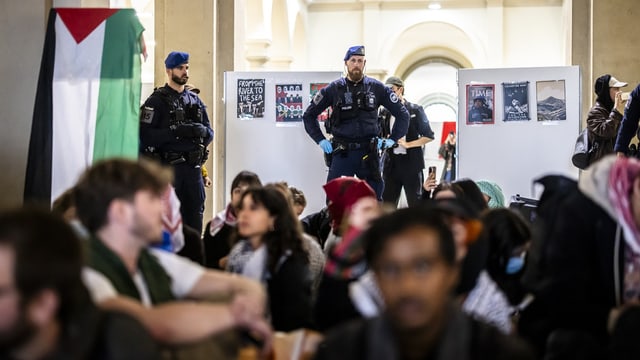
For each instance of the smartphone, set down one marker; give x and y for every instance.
(625, 96)
(432, 172)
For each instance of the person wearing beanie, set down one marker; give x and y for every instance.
(403, 164)
(492, 193)
(175, 130)
(354, 148)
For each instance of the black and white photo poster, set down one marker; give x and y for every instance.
(516, 101)
(551, 100)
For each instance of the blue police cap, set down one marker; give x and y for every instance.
(480, 98)
(354, 50)
(176, 58)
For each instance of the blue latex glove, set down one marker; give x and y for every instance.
(386, 143)
(326, 146)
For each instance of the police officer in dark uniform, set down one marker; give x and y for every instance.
(354, 148)
(629, 124)
(480, 112)
(175, 129)
(403, 164)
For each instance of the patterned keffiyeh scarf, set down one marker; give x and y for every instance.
(623, 174)
(226, 216)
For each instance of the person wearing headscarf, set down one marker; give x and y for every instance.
(604, 117)
(492, 193)
(592, 268)
(352, 205)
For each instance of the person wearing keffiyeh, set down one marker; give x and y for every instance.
(352, 204)
(592, 268)
(217, 233)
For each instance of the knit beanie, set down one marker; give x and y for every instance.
(492, 190)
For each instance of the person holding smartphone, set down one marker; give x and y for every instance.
(605, 116)
(403, 164)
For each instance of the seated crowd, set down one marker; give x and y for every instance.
(105, 275)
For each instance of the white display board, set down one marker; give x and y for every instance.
(513, 153)
(275, 150)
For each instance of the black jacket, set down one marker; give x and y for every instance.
(217, 246)
(462, 339)
(418, 127)
(94, 334)
(290, 295)
(577, 287)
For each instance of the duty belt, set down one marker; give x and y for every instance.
(346, 145)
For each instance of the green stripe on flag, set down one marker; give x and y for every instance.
(117, 124)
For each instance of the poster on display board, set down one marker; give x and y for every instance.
(272, 142)
(551, 100)
(516, 101)
(289, 102)
(480, 103)
(250, 98)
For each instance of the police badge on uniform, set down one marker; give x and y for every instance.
(147, 115)
(393, 97)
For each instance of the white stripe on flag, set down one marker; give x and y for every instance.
(76, 83)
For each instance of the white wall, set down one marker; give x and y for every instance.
(488, 37)
(534, 37)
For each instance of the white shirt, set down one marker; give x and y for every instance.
(184, 273)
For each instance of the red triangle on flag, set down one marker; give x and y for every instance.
(82, 21)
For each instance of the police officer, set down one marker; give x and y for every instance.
(355, 99)
(403, 164)
(480, 112)
(629, 124)
(175, 129)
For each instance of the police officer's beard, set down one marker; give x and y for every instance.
(355, 75)
(179, 80)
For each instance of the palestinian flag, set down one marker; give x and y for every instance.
(88, 97)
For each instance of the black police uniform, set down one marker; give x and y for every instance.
(355, 127)
(629, 124)
(405, 170)
(175, 129)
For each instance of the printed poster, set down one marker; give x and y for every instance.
(250, 98)
(314, 88)
(289, 102)
(551, 100)
(516, 101)
(480, 102)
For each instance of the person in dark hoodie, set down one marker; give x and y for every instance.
(605, 115)
(592, 263)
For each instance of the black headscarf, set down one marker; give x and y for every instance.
(602, 91)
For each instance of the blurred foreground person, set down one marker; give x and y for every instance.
(45, 311)
(413, 257)
(119, 201)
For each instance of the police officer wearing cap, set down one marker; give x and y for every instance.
(480, 112)
(175, 129)
(354, 124)
(403, 164)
